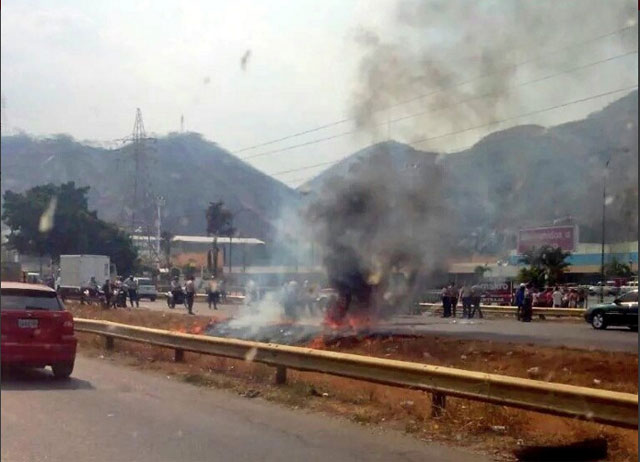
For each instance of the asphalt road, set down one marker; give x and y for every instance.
(568, 333)
(107, 413)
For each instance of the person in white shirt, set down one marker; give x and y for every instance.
(557, 298)
(190, 289)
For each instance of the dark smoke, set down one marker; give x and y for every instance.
(378, 236)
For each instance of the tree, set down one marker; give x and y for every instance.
(479, 271)
(219, 223)
(550, 260)
(166, 240)
(71, 227)
(534, 275)
(616, 268)
(219, 220)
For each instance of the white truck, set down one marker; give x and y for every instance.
(77, 270)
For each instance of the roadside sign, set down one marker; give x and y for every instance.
(565, 237)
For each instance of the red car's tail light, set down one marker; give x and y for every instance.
(67, 324)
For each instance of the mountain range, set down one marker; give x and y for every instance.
(530, 175)
(526, 175)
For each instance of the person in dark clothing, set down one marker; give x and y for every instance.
(106, 289)
(519, 301)
(454, 299)
(475, 301)
(527, 306)
(446, 302)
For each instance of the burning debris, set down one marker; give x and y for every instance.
(378, 238)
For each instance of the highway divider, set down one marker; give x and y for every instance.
(540, 311)
(608, 407)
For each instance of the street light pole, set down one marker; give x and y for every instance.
(604, 208)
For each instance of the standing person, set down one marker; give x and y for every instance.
(190, 289)
(527, 306)
(581, 298)
(222, 291)
(213, 293)
(446, 302)
(557, 297)
(58, 282)
(519, 299)
(573, 299)
(476, 296)
(132, 288)
(106, 288)
(454, 299)
(93, 284)
(249, 292)
(465, 296)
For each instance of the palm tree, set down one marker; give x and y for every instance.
(479, 271)
(219, 223)
(616, 268)
(165, 243)
(551, 260)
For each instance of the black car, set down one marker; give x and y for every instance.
(622, 312)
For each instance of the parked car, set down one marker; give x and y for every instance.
(146, 289)
(623, 311)
(629, 286)
(37, 331)
(609, 288)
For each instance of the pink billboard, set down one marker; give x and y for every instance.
(565, 237)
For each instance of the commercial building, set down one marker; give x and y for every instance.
(585, 260)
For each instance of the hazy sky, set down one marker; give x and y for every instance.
(82, 67)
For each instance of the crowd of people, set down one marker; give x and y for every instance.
(117, 292)
(525, 298)
(299, 299)
(468, 295)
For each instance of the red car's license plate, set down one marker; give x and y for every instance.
(28, 323)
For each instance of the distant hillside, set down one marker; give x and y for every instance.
(402, 157)
(184, 168)
(530, 175)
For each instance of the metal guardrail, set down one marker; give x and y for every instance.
(608, 407)
(564, 312)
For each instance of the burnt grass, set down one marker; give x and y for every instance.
(495, 430)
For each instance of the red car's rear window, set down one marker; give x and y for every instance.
(23, 299)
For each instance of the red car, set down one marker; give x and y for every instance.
(36, 329)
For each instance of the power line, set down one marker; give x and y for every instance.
(322, 164)
(311, 130)
(288, 148)
(499, 93)
(416, 98)
(538, 111)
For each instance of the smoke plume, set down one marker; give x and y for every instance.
(437, 45)
(370, 226)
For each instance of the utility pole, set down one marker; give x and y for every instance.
(604, 208)
(138, 207)
(160, 203)
(230, 252)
